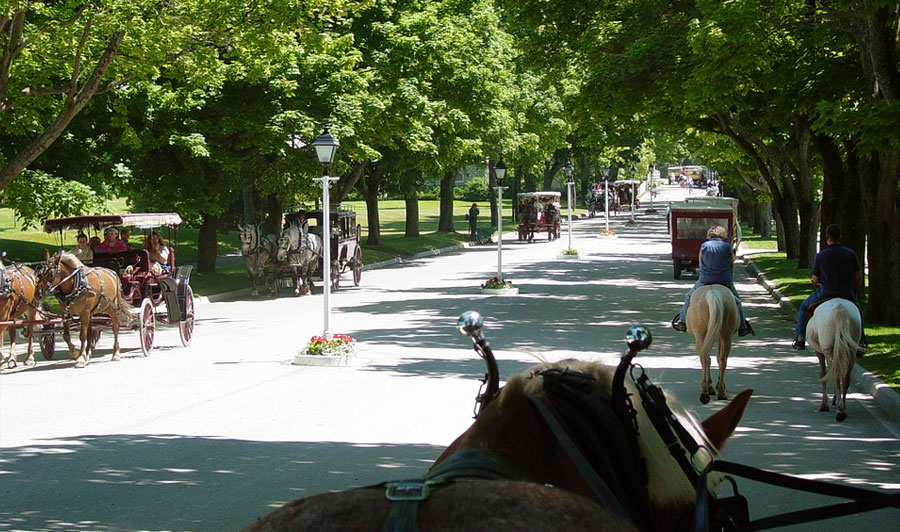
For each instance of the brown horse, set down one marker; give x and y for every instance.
(541, 485)
(83, 292)
(712, 317)
(19, 297)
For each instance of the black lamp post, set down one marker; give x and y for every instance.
(326, 146)
(500, 172)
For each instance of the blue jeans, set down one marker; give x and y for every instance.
(818, 295)
(730, 286)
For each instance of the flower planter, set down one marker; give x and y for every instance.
(500, 291)
(565, 256)
(301, 359)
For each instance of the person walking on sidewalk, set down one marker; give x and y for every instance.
(473, 222)
(835, 273)
(716, 265)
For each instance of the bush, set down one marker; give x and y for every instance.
(430, 192)
(475, 189)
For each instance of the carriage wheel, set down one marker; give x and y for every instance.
(186, 327)
(48, 345)
(357, 266)
(148, 326)
(335, 276)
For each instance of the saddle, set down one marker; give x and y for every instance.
(812, 308)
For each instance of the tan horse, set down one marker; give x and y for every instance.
(23, 298)
(82, 293)
(556, 496)
(833, 333)
(712, 318)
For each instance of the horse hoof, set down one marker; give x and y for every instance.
(722, 397)
(823, 408)
(840, 416)
(11, 364)
(80, 363)
(704, 398)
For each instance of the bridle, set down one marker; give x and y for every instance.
(711, 513)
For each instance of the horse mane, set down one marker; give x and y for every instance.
(70, 260)
(667, 485)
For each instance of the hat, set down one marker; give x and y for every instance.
(112, 230)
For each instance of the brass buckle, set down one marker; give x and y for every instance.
(411, 490)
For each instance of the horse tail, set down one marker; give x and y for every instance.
(123, 309)
(714, 325)
(844, 346)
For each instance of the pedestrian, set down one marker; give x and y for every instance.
(835, 273)
(473, 222)
(716, 264)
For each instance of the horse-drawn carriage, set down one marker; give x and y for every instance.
(299, 251)
(688, 226)
(625, 192)
(597, 199)
(99, 296)
(538, 212)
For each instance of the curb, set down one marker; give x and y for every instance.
(884, 396)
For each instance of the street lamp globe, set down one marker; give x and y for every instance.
(500, 170)
(605, 172)
(326, 145)
(567, 169)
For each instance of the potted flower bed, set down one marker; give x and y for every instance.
(321, 351)
(568, 253)
(494, 286)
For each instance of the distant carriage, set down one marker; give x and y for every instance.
(539, 212)
(346, 252)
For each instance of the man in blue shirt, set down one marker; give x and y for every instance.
(835, 273)
(716, 263)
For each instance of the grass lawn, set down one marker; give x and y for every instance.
(883, 357)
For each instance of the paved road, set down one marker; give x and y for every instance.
(209, 437)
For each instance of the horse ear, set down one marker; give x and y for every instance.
(719, 426)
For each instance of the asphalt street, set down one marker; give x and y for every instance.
(211, 436)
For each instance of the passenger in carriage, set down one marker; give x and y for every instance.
(159, 253)
(124, 235)
(94, 243)
(112, 244)
(84, 253)
(716, 263)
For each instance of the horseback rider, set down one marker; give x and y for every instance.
(716, 263)
(835, 273)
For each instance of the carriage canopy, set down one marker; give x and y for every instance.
(101, 221)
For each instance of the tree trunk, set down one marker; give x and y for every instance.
(274, 214)
(879, 184)
(779, 232)
(807, 202)
(841, 194)
(764, 210)
(530, 182)
(411, 199)
(552, 167)
(207, 244)
(445, 219)
(369, 187)
(514, 197)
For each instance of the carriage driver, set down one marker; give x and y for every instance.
(716, 262)
(835, 273)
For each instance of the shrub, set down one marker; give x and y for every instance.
(475, 189)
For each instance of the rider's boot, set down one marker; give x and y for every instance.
(678, 324)
(799, 342)
(746, 329)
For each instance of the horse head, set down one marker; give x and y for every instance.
(587, 436)
(288, 241)
(249, 236)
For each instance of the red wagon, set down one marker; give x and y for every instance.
(688, 225)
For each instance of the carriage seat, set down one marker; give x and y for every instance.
(139, 259)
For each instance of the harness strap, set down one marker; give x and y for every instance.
(596, 483)
(469, 463)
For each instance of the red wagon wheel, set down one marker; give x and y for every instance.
(186, 327)
(47, 342)
(148, 326)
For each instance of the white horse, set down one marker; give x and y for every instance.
(257, 250)
(302, 250)
(712, 317)
(833, 333)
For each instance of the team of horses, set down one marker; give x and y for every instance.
(296, 247)
(82, 293)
